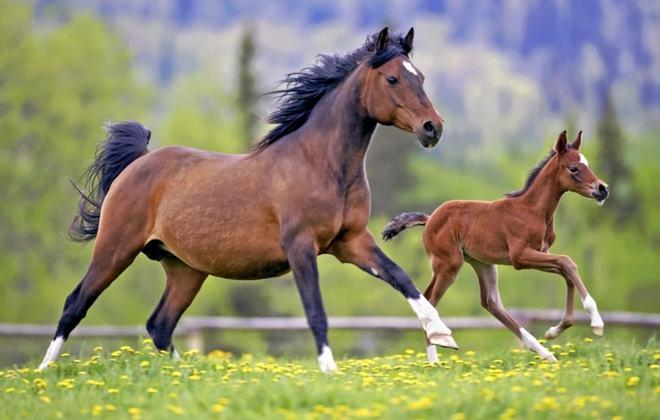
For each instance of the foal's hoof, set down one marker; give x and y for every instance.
(443, 340)
(553, 332)
(598, 330)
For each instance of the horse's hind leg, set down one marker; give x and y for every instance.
(183, 283)
(445, 270)
(112, 254)
(492, 302)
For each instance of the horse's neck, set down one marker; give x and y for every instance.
(544, 193)
(338, 131)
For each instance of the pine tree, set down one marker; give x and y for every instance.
(611, 164)
(247, 90)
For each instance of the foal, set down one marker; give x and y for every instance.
(517, 230)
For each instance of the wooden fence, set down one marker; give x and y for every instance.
(193, 328)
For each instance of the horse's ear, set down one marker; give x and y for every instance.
(578, 141)
(383, 39)
(408, 41)
(561, 143)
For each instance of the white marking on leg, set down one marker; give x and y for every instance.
(590, 307)
(532, 344)
(53, 352)
(374, 272)
(175, 355)
(432, 353)
(584, 160)
(408, 66)
(436, 330)
(553, 332)
(326, 360)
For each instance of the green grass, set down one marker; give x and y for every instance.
(594, 379)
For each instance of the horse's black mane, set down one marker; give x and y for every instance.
(303, 89)
(536, 170)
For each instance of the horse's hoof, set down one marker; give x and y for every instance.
(552, 333)
(598, 330)
(550, 358)
(328, 366)
(443, 340)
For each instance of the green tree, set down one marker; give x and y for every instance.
(247, 89)
(56, 90)
(611, 163)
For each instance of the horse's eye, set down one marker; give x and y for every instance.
(392, 80)
(573, 169)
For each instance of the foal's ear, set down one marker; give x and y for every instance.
(561, 143)
(408, 41)
(383, 39)
(578, 141)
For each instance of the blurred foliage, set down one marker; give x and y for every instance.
(59, 84)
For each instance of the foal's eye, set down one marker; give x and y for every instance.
(573, 169)
(392, 80)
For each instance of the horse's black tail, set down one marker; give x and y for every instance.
(403, 221)
(125, 142)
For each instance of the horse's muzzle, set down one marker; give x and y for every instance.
(430, 134)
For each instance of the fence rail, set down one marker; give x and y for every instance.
(192, 328)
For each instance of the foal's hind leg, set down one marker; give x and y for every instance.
(110, 258)
(445, 270)
(183, 283)
(492, 302)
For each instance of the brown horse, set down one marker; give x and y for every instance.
(302, 192)
(517, 230)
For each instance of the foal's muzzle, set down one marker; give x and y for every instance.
(600, 193)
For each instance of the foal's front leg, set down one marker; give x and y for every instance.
(524, 257)
(361, 250)
(301, 253)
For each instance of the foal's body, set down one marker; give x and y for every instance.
(517, 230)
(301, 193)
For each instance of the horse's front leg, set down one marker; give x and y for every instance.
(361, 250)
(301, 252)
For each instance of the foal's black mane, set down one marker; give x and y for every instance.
(536, 170)
(306, 87)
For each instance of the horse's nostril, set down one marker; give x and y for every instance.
(429, 128)
(602, 189)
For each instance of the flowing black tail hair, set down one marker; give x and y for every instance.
(125, 142)
(403, 221)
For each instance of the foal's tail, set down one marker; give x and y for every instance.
(125, 142)
(403, 221)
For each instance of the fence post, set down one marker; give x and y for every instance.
(195, 340)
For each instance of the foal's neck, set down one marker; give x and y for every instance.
(545, 192)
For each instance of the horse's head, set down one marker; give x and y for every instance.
(574, 171)
(394, 94)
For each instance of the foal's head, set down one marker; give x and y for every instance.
(393, 93)
(574, 172)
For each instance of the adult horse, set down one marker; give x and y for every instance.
(302, 192)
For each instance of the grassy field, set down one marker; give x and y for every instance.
(593, 379)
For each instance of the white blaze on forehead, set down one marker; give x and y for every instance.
(408, 66)
(584, 160)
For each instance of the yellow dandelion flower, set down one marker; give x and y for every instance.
(116, 353)
(458, 416)
(151, 390)
(98, 349)
(194, 377)
(588, 340)
(144, 363)
(113, 391)
(110, 407)
(45, 399)
(97, 410)
(175, 409)
(216, 408)
(633, 381)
